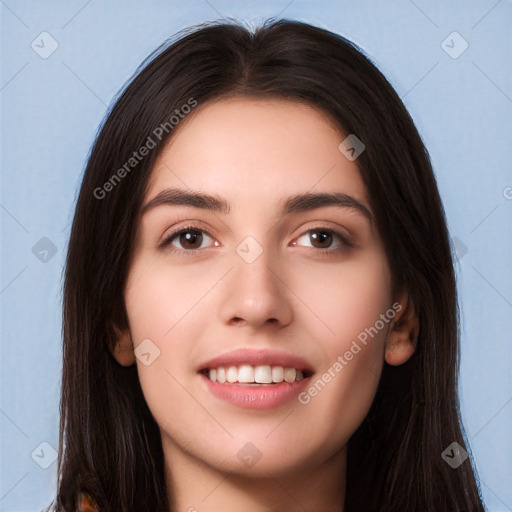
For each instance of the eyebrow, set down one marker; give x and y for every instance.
(297, 203)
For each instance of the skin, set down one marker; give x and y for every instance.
(293, 297)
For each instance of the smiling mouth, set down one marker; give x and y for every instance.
(263, 375)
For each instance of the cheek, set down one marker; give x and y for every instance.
(159, 298)
(351, 335)
(155, 306)
(166, 315)
(343, 300)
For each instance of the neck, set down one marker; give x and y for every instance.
(198, 487)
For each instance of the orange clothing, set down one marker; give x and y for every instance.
(85, 503)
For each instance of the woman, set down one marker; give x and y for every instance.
(259, 306)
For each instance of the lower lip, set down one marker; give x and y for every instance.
(256, 397)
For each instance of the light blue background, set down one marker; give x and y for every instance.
(51, 109)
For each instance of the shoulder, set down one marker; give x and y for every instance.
(85, 503)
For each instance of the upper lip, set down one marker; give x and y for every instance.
(255, 357)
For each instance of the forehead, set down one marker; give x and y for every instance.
(242, 147)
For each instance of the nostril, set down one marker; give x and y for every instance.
(237, 321)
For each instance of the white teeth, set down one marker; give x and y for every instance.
(277, 374)
(247, 374)
(221, 375)
(290, 374)
(263, 375)
(232, 374)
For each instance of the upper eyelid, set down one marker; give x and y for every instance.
(195, 218)
(186, 224)
(197, 224)
(324, 228)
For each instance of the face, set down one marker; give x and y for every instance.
(259, 297)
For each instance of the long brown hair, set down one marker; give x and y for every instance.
(109, 442)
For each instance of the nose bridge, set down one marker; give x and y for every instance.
(256, 294)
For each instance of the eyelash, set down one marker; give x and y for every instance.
(345, 243)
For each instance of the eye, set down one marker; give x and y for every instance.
(323, 239)
(189, 239)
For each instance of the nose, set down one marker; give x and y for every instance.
(256, 295)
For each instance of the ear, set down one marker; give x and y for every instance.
(123, 347)
(403, 333)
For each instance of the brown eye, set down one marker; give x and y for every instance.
(190, 239)
(320, 239)
(324, 239)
